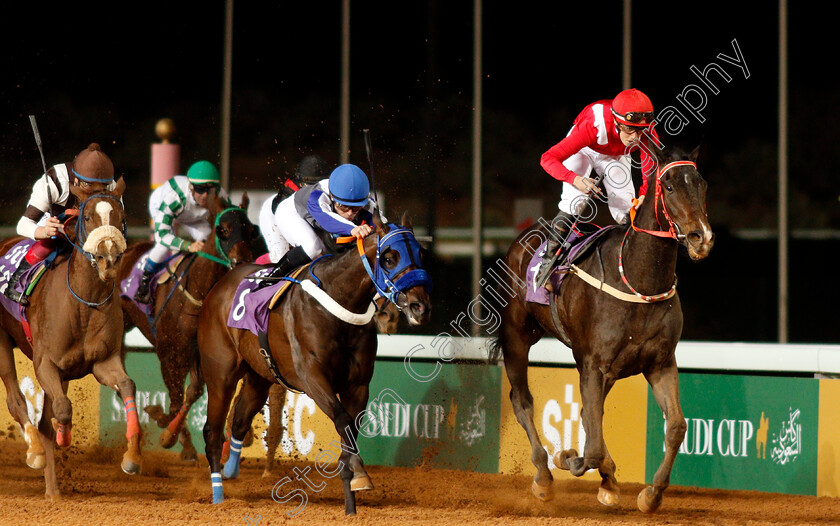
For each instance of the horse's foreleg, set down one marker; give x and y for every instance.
(665, 385)
(174, 371)
(353, 474)
(274, 433)
(592, 393)
(47, 432)
(515, 350)
(56, 390)
(354, 400)
(251, 399)
(111, 373)
(177, 425)
(16, 403)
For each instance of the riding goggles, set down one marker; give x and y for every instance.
(636, 117)
(202, 189)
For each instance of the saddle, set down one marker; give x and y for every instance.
(583, 241)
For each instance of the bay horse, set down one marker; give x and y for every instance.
(309, 347)
(76, 325)
(612, 338)
(387, 320)
(176, 312)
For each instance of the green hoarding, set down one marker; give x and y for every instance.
(450, 422)
(744, 432)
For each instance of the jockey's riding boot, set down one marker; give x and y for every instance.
(561, 223)
(142, 294)
(292, 260)
(10, 288)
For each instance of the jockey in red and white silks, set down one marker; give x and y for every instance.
(596, 142)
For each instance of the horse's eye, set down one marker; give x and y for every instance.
(669, 188)
(87, 218)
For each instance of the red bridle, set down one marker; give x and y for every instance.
(657, 197)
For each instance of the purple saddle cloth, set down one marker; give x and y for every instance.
(8, 264)
(250, 306)
(579, 242)
(129, 286)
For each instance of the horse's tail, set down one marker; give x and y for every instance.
(494, 350)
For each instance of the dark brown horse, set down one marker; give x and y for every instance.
(611, 337)
(77, 328)
(387, 320)
(174, 334)
(329, 358)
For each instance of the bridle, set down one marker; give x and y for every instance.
(408, 273)
(673, 232)
(81, 237)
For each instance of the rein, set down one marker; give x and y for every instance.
(224, 260)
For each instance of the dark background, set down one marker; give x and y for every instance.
(107, 74)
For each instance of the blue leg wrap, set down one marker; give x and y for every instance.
(231, 469)
(216, 483)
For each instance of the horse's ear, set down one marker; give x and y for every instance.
(78, 192)
(697, 152)
(657, 152)
(381, 228)
(119, 188)
(406, 221)
(245, 201)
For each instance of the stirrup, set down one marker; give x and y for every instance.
(17, 297)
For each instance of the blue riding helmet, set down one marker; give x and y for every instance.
(349, 185)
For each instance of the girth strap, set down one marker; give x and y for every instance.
(265, 352)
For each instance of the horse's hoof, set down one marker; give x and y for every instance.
(608, 498)
(130, 467)
(53, 497)
(561, 458)
(36, 461)
(167, 439)
(63, 433)
(189, 456)
(155, 412)
(361, 483)
(646, 501)
(544, 493)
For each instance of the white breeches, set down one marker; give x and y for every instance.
(617, 181)
(294, 231)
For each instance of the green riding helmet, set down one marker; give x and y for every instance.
(203, 172)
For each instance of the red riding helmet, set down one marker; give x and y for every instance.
(631, 107)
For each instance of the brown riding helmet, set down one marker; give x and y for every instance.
(94, 167)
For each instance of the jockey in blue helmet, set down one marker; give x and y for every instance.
(315, 215)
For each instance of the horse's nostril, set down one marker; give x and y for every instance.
(417, 308)
(695, 237)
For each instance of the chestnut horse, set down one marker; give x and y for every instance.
(611, 337)
(174, 333)
(331, 359)
(76, 326)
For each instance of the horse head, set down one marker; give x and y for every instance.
(100, 228)
(234, 231)
(398, 273)
(680, 196)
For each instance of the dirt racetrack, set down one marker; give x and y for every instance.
(95, 491)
